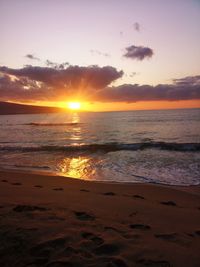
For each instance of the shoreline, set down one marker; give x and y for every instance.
(57, 221)
(55, 174)
(194, 189)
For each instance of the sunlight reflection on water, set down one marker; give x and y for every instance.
(75, 133)
(77, 167)
(75, 118)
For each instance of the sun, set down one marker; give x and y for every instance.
(74, 105)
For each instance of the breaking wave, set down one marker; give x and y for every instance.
(109, 147)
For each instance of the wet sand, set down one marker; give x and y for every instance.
(56, 221)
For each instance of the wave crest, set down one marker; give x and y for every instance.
(109, 147)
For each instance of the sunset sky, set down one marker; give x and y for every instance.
(108, 55)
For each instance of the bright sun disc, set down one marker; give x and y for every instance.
(74, 105)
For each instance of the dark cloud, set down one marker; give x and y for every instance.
(53, 83)
(91, 76)
(31, 56)
(97, 52)
(22, 89)
(138, 52)
(166, 92)
(92, 83)
(56, 65)
(136, 26)
(194, 80)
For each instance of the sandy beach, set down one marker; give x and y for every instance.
(57, 221)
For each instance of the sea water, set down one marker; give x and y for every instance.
(157, 146)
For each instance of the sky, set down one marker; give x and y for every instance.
(108, 55)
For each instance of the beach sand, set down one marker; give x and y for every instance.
(56, 221)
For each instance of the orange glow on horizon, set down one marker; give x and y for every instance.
(118, 106)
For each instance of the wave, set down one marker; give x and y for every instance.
(52, 124)
(109, 147)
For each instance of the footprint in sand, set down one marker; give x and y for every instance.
(16, 183)
(92, 237)
(109, 194)
(25, 208)
(173, 237)
(84, 190)
(138, 196)
(169, 237)
(38, 186)
(83, 216)
(58, 189)
(168, 203)
(140, 226)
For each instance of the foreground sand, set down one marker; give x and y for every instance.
(55, 221)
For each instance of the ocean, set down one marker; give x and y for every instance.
(157, 146)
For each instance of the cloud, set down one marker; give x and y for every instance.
(138, 52)
(136, 26)
(132, 74)
(32, 57)
(53, 83)
(97, 52)
(92, 83)
(21, 89)
(91, 76)
(179, 90)
(56, 65)
(194, 80)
